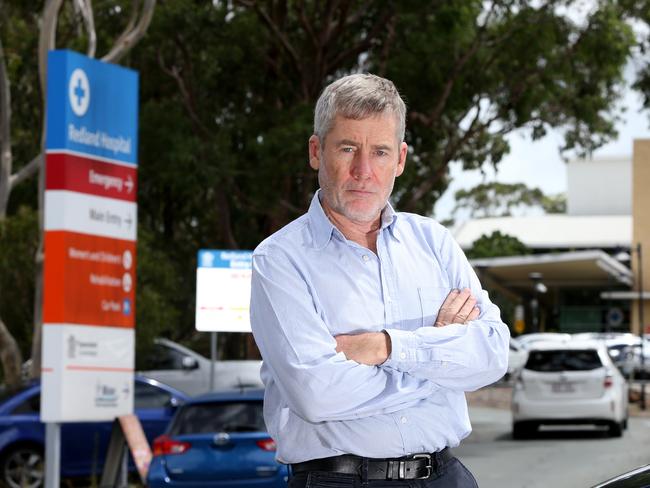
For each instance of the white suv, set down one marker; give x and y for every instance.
(570, 382)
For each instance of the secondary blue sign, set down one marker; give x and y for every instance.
(217, 258)
(98, 116)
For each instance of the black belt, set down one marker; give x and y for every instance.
(417, 466)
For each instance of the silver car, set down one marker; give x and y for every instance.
(186, 370)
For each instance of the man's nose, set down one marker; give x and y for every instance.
(361, 166)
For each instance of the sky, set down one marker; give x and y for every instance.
(539, 164)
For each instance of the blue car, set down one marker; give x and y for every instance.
(83, 445)
(217, 440)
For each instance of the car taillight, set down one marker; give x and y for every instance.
(165, 445)
(608, 382)
(266, 444)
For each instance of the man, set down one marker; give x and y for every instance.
(371, 323)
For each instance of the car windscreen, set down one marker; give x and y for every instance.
(563, 360)
(204, 418)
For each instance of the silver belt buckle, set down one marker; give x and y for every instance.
(429, 466)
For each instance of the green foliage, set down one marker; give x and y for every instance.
(227, 96)
(18, 242)
(496, 245)
(157, 312)
(471, 77)
(496, 199)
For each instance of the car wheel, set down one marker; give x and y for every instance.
(616, 429)
(522, 430)
(23, 467)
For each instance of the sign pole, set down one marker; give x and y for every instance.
(90, 233)
(52, 454)
(213, 357)
(223, 295)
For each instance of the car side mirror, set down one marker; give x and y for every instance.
(189, 363)
(172, 404)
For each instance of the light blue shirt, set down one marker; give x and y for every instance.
(310, 284)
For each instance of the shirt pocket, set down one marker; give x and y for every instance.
(431, 299)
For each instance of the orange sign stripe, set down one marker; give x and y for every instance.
(97, 368)
(83, 277)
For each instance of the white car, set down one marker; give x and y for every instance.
(188, 371)
(527, 341)
(570, 382)
(516, 358)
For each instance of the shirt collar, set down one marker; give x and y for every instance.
(323, 228)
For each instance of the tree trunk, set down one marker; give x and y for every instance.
(10, 357)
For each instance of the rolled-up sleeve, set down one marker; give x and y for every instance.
(318, 383)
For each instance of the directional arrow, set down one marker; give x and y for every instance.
(129, 184)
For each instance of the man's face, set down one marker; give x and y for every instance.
(357, 165)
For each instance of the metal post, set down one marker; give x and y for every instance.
(52, 455)
(213, 356)
(639, 253)
(536, 279)
(124, 470)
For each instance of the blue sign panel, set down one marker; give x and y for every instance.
(217, 258)
(92, 107)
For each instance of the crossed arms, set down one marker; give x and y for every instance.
(323, 378)
(374, 348)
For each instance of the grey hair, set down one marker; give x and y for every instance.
(356, 97)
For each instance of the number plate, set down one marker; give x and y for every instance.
(562, 387)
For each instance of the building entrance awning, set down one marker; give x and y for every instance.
(591, 268)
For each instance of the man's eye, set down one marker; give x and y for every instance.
(348, 149)
(381, 153)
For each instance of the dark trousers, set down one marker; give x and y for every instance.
(452, 474)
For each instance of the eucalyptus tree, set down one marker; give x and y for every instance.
(31, 35)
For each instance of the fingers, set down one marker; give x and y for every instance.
(447, 310)
(458, 307)
(474, 314)
(465, 309)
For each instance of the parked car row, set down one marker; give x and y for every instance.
(218, 439)
(174, 374)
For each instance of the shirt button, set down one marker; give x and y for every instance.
(403, 420)
(365, 257)
(402, 355)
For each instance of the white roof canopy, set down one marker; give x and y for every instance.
(553, 231)
(591, 268)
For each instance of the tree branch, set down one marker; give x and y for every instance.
(302, 16)
(47, 42)
(5, 135)
(458, 67)
(450, 150)
(86, 10)
(133, 33)
(174, 73)
(276, 31)
(26, 171)
(363, 45)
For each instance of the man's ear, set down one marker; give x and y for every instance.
(403, 150)
(314, 152)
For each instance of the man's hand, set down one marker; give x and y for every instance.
(458, 308)
(371, 348)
